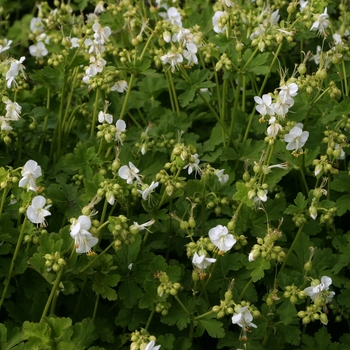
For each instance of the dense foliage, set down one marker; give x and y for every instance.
(173, 174)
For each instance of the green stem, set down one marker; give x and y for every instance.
(55, 286)
(80, 298)
(261, 90)
(128, 91)
(95, 113)
(203, 315)
(173, 91)
(182, 305)
(3, 199)
(245, 289)
(12, 266)
(150, 318)
(53, 291)
(291, 248)
(223, 109)
(345, 79)
(95, 306)
(96, 258)
(45, 120)
(234, 111)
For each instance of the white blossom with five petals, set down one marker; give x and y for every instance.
(31, 171)
(37, 211)
(83, 239)
(220, 237)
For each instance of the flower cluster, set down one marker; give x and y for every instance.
(83, 239)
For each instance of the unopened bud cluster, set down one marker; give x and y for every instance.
(34, 235)
(181, 156)
(54, 262)
(294, 294)
(226, 306)
(118, 226)
(163, 307)
(112, 191)
(140, 339)
(201, 247)
(171, 184)
(167, 287)
(312, 313)
(266, 247)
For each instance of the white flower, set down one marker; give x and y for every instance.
(303, 4)
(274, 128)
(190, 53)
(322, 22)
(288, 91)
(220, 237)
(96, 66)
(151, 346)
(120, 126)
(101, 33)
(129, 173)
(83, 239)
(317, 56)
(243, 318)
(202, 262)
(99, 8)
(13, 110)
(74, 41)
(120, 86)
(216, 22)
(223, 178)
(264, 105)
(274, 18)
(95, 48)
(143, 226)
(337, 39)
(342, 153)
(36, 24)
(146, 193)
(4, 124)
(105, 117)
(36, 212)
(173, 59)
(15, 68)
(193, 165)
(31, 171)
(6, 45)
(172, 16)
(316, 291)
(262, 195)
(251, 256)
(296, 138)
(39, 50)
(259, 31)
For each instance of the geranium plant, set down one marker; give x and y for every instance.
(173, 175)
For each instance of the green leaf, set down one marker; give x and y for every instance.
(287, 312)
(320, 341)
(257, 65)
(343, 204)
(213, 327)
(167, 341)
(292, 334)
(341, 183)
(103, 283)
(258, 267)
(186, 97)
(83, 334)
(176, 316)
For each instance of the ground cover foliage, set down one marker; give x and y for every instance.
(173, 174)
